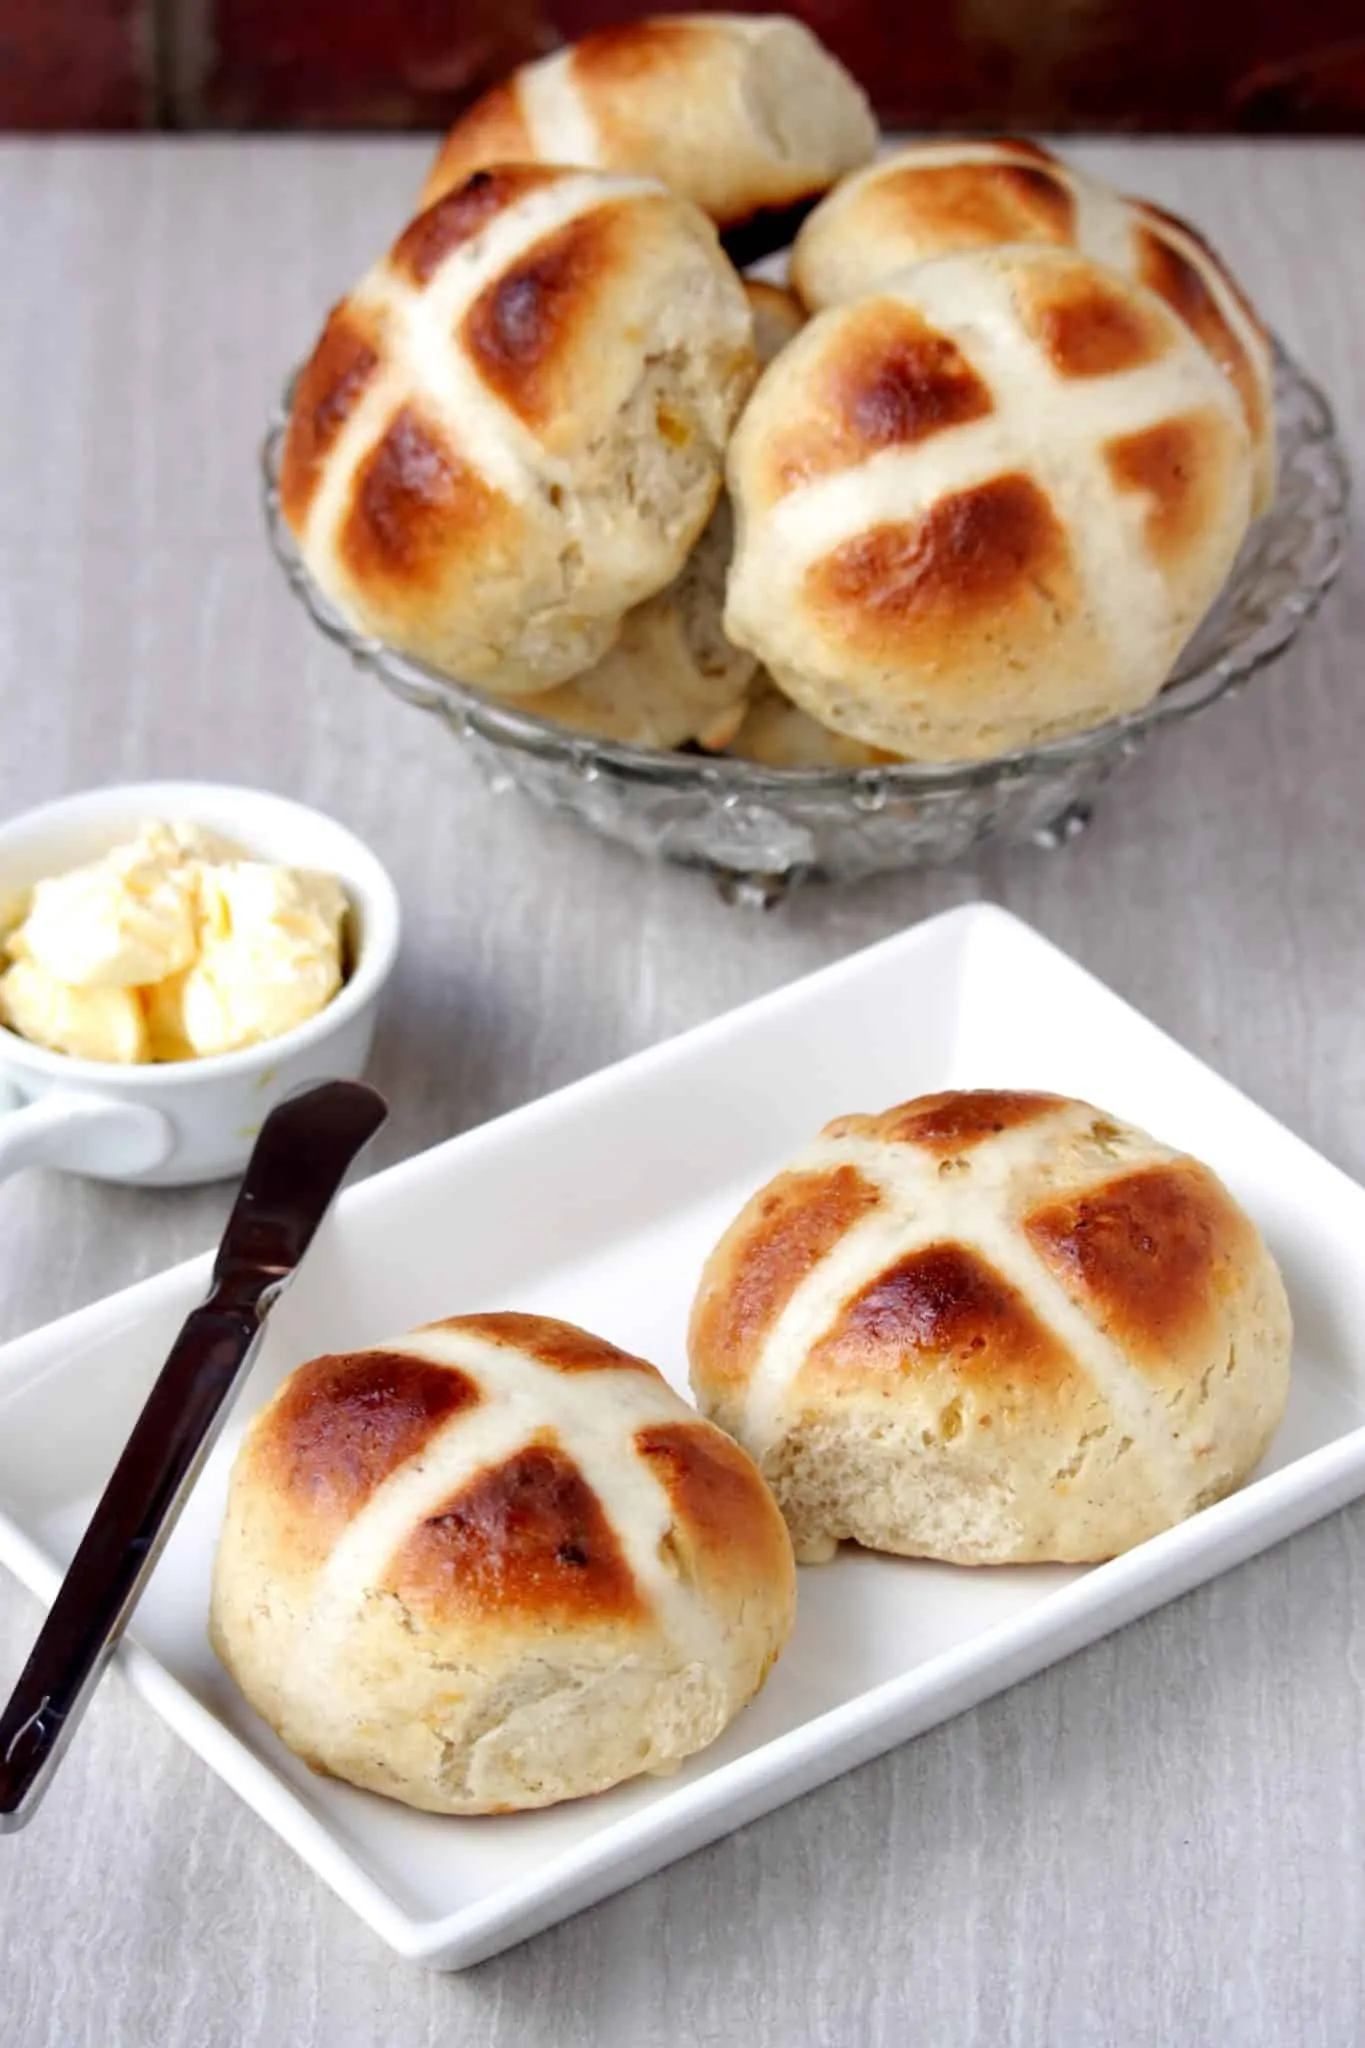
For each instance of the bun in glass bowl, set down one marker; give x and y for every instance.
(760, 830)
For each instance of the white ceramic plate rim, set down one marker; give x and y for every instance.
(632, 1847)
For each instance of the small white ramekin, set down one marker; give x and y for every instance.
(196, 1120)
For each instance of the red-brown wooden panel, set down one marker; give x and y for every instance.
(75, 63)
(1051, 64)
(354, 63)
(1042, 64)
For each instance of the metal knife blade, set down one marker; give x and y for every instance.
(306, 1147)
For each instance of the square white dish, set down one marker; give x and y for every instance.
(598, 1204)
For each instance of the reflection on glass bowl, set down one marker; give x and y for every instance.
(758, 830)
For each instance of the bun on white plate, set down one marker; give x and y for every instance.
(493, 1565)
(992, 1327)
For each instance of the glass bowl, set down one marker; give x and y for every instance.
(759, 830)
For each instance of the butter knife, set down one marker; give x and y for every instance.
(306, 1147)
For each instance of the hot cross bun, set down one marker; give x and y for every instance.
(985, 505)
(994, 1328)
(935, 198)
(495, 1564)
(749, 116)
(513, 429)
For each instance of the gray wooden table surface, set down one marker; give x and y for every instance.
(1161, 1842)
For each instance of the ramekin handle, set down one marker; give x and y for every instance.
(81, 1133)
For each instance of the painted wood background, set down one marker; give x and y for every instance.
(1169, 65)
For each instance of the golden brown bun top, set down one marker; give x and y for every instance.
(880, 375)
(932, 199)
(746, 115)
(1019, 195)
(531, 336)
(1145, 1242)
(523, 1534)
(984, 504)
(511, 430)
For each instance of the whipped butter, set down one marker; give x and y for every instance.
(172, 947)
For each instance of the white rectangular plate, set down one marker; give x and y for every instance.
(599, 1204)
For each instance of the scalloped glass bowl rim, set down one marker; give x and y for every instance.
(498, 720)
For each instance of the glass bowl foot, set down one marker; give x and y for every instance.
(749, 891)
(1066, 826)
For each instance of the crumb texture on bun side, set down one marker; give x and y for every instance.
(672, 675)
